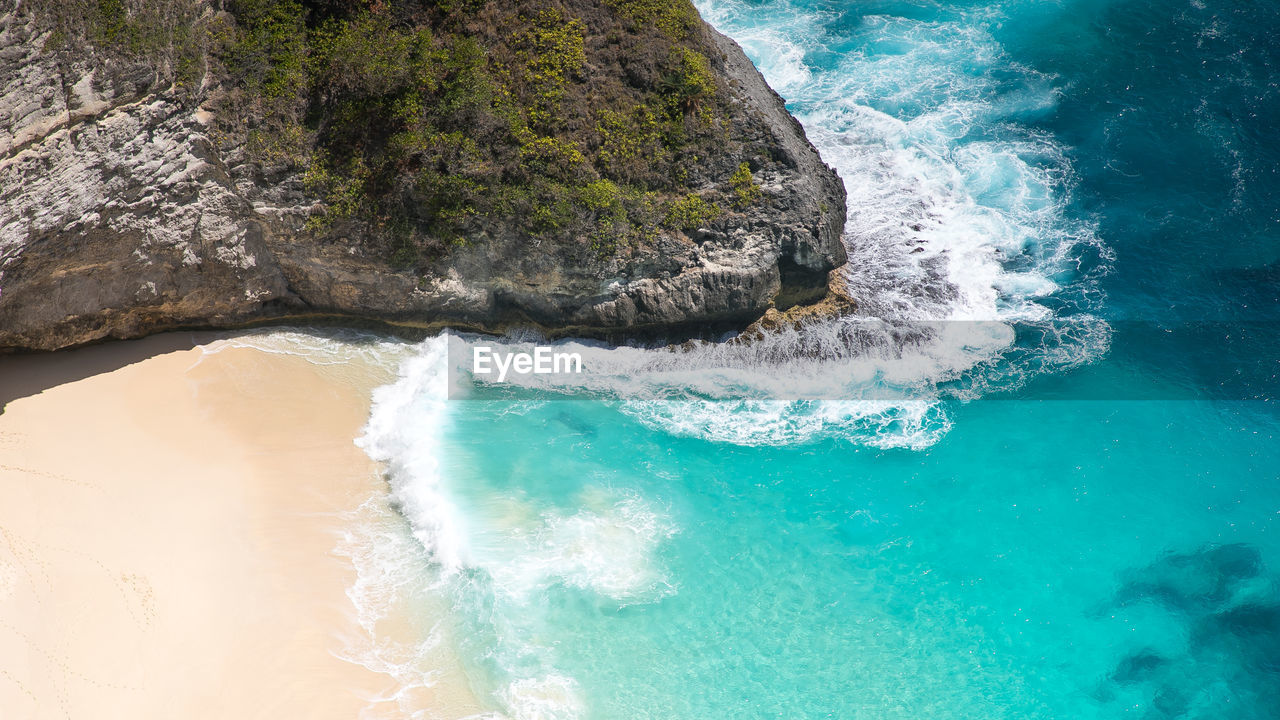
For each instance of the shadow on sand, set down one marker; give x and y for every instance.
(26, 374)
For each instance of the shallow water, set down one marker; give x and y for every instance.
(1068, 509)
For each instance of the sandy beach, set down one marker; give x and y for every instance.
(168, 520)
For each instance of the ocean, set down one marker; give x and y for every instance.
(1037, 476)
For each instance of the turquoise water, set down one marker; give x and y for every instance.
(1068, 510)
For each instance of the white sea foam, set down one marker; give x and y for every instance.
(505, 555)
(606, 547)
(553, 697)
(404, 433)
(957, 212)
(391, 572)
(319, 346)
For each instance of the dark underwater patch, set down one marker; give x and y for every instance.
(1250, 632)
(577, 425)
(1137, 667)
(1229, 608)
(1192, 582)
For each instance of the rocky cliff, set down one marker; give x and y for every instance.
(581, 167)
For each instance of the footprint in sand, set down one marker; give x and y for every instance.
(144, 595)
(49, 475)
(8, 579)
(26, 560)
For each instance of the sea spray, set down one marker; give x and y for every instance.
(403, 433)
(957, 210)
(487, 550)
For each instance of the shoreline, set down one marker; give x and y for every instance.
(169, 536)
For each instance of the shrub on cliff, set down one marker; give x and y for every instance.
(433, 122)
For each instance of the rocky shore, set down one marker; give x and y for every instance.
(126, 208)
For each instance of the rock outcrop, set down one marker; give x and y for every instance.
(122, 214)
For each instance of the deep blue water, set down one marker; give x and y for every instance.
(1170, 116)
(1069, 511)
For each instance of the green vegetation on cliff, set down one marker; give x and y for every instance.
(436, 123)
(170, 35)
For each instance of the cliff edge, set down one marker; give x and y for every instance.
(585, 168)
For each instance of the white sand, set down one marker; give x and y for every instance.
(167, 531)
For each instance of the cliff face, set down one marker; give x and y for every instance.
(136, 194)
